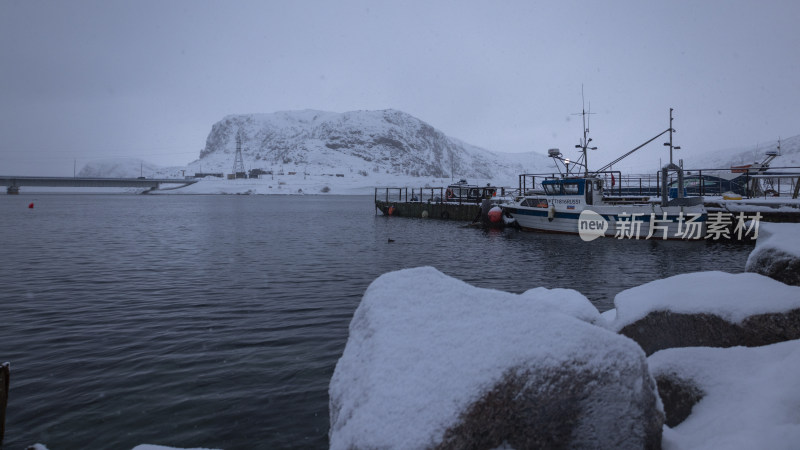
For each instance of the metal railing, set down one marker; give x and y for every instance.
(775, 182)
(429, 195)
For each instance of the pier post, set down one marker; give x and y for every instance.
(5, 370)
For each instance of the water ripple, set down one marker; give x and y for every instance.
(216, 321)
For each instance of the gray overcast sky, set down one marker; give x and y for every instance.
(147, 79)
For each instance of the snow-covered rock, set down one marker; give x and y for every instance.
(714, 309)
(777, 252)
(434, 362)
(744, 398)
(358, 142)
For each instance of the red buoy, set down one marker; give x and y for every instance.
(30, 206)
(495, 215)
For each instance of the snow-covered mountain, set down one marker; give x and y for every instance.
(789, 155)
(121, 168)
(369, 143)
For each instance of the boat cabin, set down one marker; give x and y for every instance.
(589, 188)
(468, 193)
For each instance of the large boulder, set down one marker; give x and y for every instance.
(432, 362)
(712, 309)
(731, 398)
(777, 252)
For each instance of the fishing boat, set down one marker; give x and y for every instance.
(576, 201)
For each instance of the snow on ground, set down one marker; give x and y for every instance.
(421, 344)
(752, 396)
(780, 236)
(733, 297)
(764, 205)
(298, 184)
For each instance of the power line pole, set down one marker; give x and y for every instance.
(238, 163)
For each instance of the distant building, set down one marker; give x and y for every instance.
(255, 173)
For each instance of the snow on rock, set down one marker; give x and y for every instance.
(713, 309)
(777, 252)
(363, 143)
(749, 397)
(432, 361)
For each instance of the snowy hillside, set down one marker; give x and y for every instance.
(365, 143)
(119, 168)
(314, 151)
(789, 155)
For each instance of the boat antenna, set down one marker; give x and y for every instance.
(584, 143)
(671, 130)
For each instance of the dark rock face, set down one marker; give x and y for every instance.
(663, 329)
(678, 396)
(775, 264)
(556, 408)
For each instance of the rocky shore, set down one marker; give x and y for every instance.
(700, 360)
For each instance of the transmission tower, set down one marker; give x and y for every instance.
(238, 163)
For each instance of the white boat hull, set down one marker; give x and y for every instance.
(633, 221)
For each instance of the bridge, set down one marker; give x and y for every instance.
(13, 183)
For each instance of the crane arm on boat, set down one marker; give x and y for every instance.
(607, 166)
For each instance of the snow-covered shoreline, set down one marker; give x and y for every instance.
(431, 359)
(298, 184)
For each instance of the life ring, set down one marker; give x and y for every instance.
(612, 180)
(551, 213)
(449, 194)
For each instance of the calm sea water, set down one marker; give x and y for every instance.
(217, 321)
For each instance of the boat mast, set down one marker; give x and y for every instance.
(584, 143)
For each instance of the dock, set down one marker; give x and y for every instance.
(432, 202)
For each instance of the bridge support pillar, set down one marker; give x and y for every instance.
(12, 190)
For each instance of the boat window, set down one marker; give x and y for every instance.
(570, 188)
(535, 202)
(552, 189)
